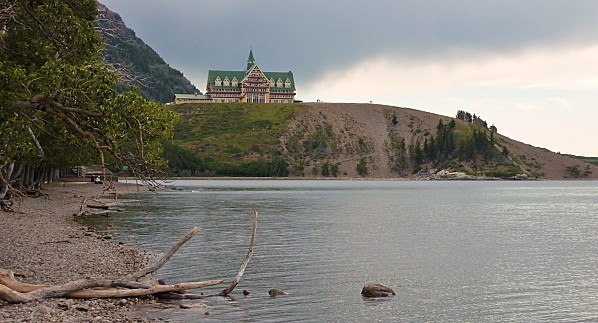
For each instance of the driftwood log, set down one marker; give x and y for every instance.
(139, 283)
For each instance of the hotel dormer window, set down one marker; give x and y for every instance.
(251, 84)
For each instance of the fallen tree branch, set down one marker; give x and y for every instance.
(235, 281)
(13, 291)
(34, 292)
(165, 258)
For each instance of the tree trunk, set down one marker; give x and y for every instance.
(17, 172)
(40, 172)
(26, 177)
(3, 189)
(49, 175)
(5, 180)
(31, 177)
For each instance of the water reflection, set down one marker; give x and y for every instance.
(453, 251)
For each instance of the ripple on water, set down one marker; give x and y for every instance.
(453, 251)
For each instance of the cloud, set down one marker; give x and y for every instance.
(560, 102)
(527, 66)
(525, 107)
(315, 37)
(563, 69)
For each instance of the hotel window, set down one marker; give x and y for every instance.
(226, 81)
(279, 83)
(235, 81)
(271, 82)
(218, 81)
(287, 83)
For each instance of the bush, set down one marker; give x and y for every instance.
(573, 171)
(362, 168)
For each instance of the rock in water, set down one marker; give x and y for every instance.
(376, 290)
(276, 292)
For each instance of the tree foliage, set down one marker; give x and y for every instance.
(453, 146)
(362, 166)
(574, 171)
(58, 101)
(477, 120)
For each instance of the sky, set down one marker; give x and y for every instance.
(528, 67)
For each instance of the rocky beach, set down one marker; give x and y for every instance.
(42, 243)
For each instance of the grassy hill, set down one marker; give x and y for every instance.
(232, 139)
(349, 140)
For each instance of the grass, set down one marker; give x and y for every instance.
(591, 160)
(229, 132)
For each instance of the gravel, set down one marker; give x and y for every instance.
(41, 243)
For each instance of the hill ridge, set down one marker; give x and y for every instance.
(332, 139)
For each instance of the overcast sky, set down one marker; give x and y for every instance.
(528, 67)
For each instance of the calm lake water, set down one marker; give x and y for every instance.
(452, 251)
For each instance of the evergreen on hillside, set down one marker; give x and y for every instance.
(138, 64)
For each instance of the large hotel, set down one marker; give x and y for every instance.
(250, 85)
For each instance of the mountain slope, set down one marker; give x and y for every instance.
(328, 139)
(374, 124)
(138, 64)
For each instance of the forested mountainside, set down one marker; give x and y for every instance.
(138, 63)
(352, 140)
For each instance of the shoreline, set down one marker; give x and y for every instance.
(397, 179)
(422, 179)
(42, 242)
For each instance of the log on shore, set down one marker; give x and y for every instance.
(132, 285)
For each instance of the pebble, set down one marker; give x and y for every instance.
(41, 309)
(30, 248)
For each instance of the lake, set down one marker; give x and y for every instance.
(452, 250)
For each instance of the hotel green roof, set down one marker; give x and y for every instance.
(240, 76)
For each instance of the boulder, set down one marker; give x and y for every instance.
(276, 292)
(376, 290)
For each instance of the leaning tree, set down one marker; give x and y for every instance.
(58, 103)
(59, 107)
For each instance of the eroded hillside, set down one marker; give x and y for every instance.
(355, 140)
(337, 136)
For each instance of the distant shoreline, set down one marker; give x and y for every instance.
(130, 180)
